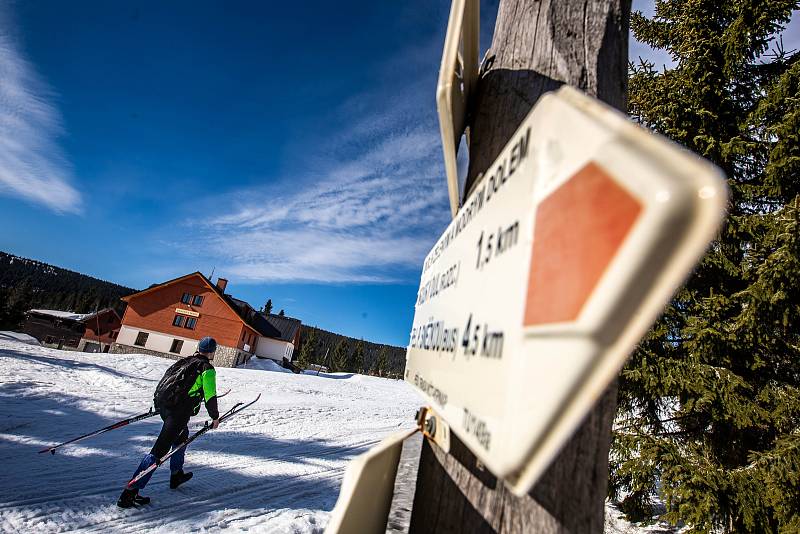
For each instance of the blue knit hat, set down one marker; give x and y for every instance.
(207, 345)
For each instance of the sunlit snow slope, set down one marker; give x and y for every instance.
(275, 468)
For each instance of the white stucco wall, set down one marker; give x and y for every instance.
(273, 348)
(155, 340)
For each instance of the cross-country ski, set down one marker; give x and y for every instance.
(185, 443)
(119, 424)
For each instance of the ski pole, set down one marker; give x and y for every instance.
(113, 426)
(185, 443)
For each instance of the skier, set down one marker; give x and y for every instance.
(177, 397)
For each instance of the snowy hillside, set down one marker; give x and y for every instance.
(275, 468)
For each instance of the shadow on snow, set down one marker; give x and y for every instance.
(88, 476)
(67, 364)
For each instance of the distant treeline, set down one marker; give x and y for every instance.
(29, 284)
(346, 354)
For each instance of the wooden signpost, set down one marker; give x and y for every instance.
(577, 228)
(555, 266)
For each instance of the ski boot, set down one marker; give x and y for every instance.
(131, 498)
(176, 479)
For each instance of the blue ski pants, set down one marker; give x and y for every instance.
(174, 431)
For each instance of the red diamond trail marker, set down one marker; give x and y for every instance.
(578, 230)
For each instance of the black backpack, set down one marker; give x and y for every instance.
(172, 392)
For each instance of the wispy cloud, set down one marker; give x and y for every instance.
(369, 219)
(371, 204)
(31, 164)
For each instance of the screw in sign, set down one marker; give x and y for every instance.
(549, 274)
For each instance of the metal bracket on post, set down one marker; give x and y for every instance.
(434, 427)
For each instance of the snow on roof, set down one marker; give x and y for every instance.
(63, 314)
(19, 336)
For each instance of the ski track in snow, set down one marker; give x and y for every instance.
(276, 467)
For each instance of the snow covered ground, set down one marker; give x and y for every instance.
(18, 336)
(615, 523)
(275, 468)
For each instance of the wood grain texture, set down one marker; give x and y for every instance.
(455, 494)
(537, 47)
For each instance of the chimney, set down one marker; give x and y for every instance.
(222, 283)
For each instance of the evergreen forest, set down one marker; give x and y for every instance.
(346, 354)
(29, 284)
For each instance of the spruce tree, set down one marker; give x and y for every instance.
(709, 404)
(358, 357)
(340, 357)
(382, 363)
(308, 342)
(17, 302)
(6, 321)
(268, 307)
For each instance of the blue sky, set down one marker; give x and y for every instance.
(293, 148)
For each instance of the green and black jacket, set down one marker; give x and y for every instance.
(205, 389)
(186, 384)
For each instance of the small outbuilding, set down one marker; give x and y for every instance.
(88, 332)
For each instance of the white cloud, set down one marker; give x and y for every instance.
(365, 208)
(365, 205)
(361, 221)
(31, 164)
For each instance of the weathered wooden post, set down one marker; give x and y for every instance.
(537, 46)
(573, 229)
